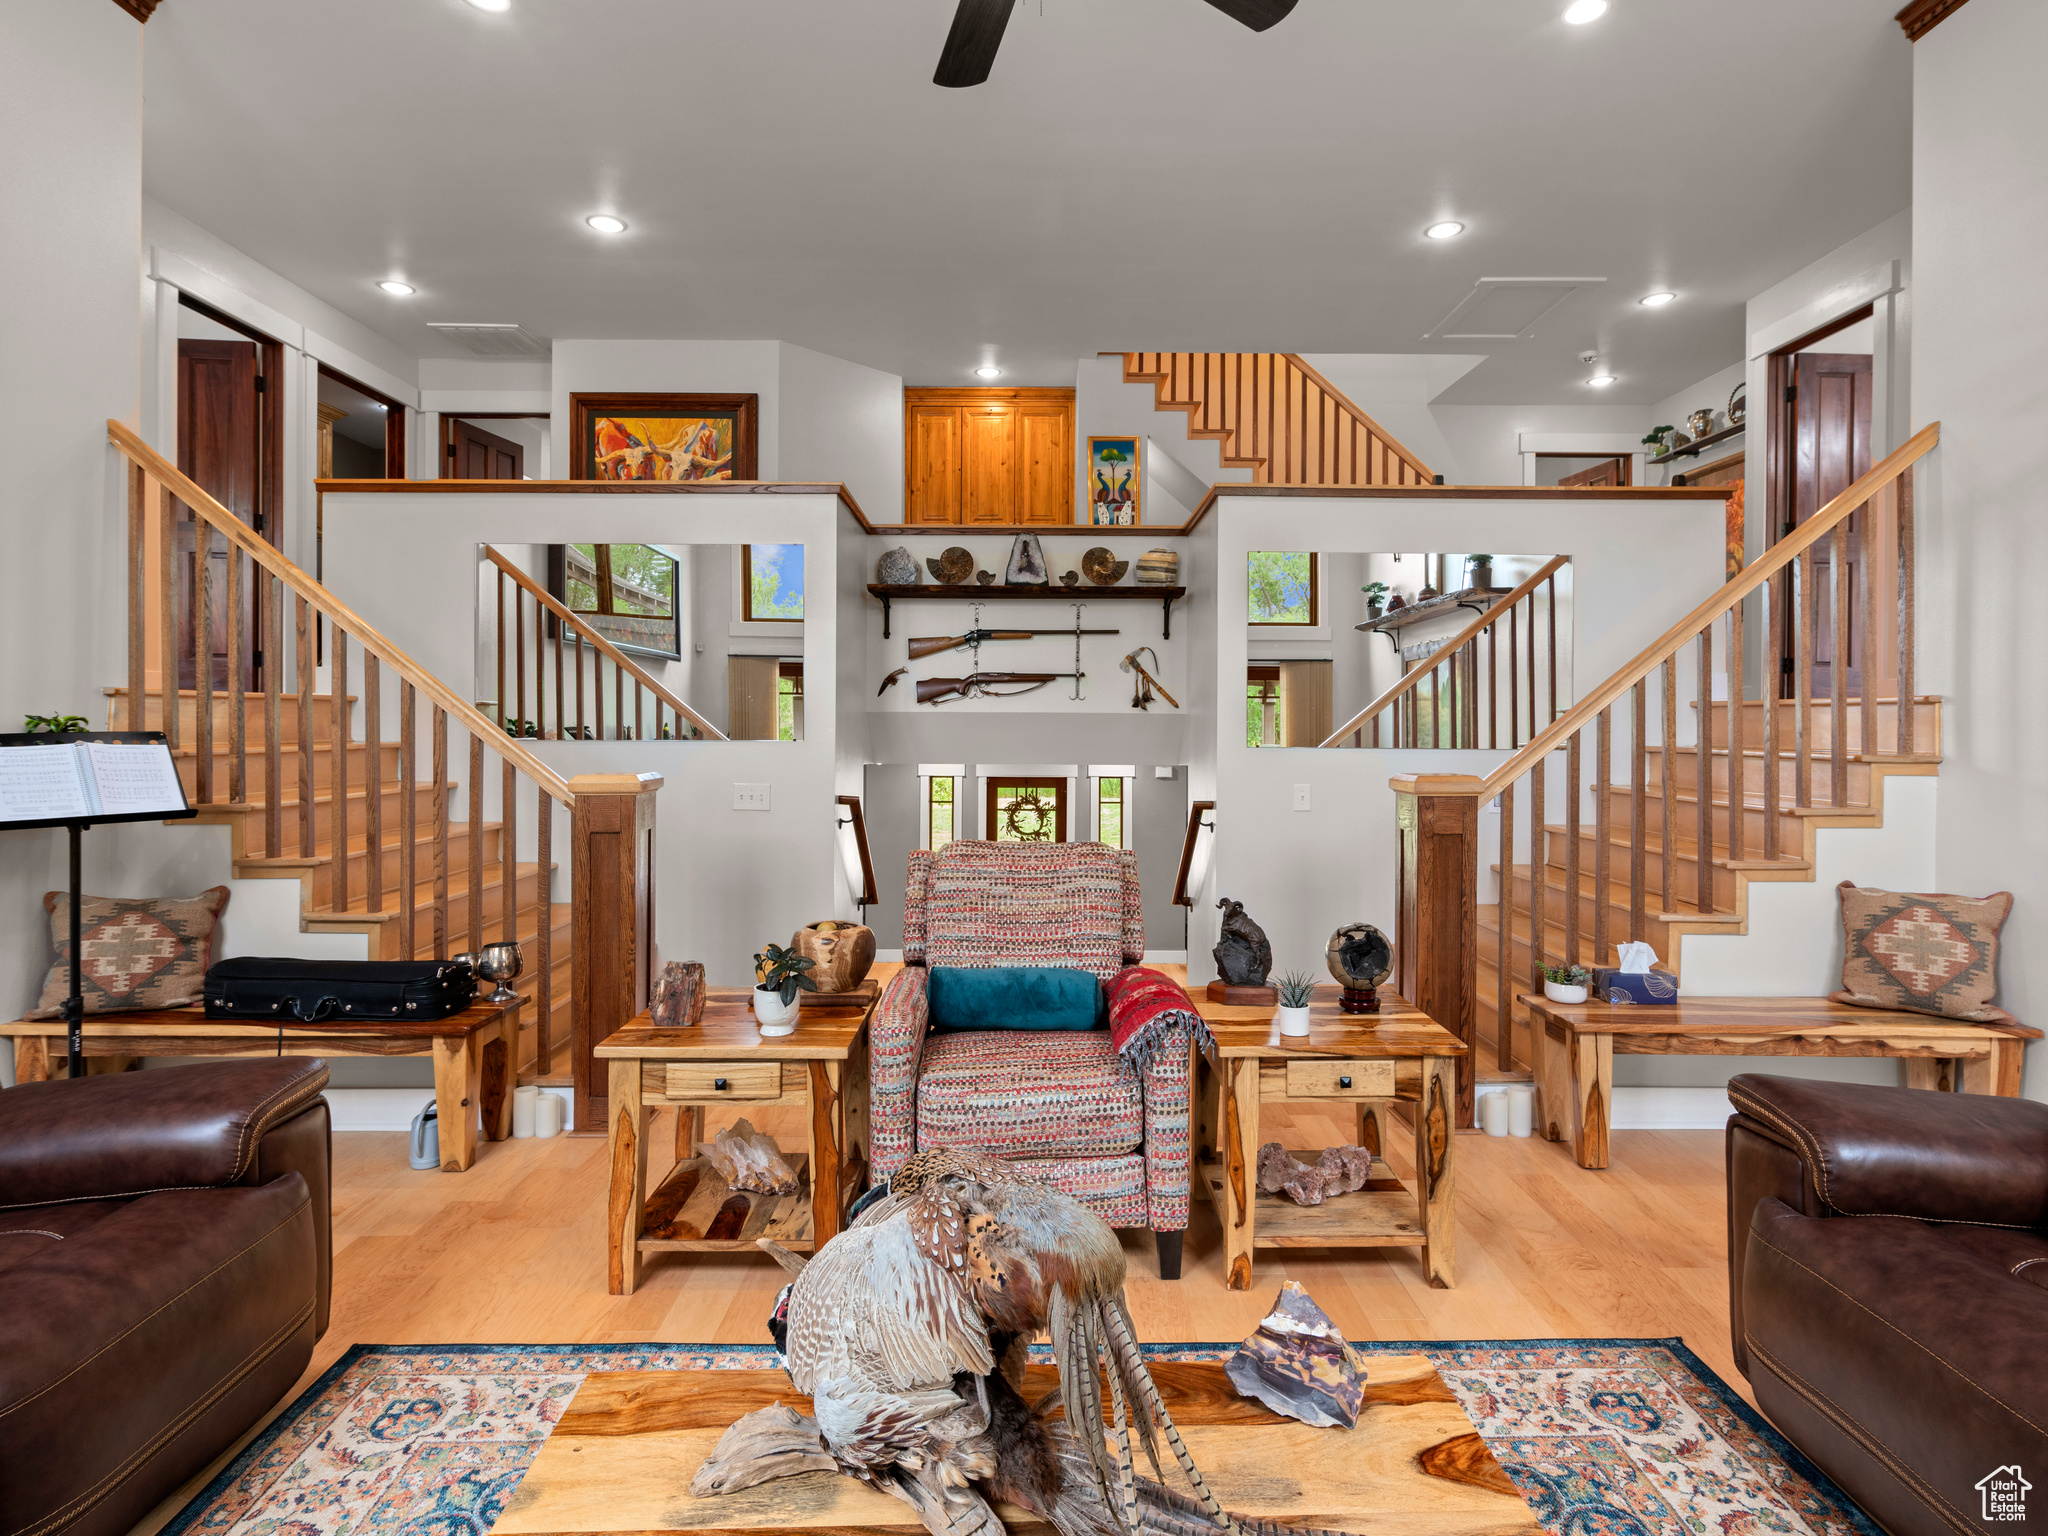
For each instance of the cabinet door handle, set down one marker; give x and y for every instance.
(1343, 1082)
(719, 1083)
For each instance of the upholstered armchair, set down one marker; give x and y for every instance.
(1065, 1104)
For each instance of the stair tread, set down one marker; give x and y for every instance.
(358, 908)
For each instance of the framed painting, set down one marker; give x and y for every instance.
(1114, 492)
(662, 437)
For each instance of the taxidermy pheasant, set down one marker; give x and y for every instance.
(909, 1331)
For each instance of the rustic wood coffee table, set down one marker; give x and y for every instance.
(1368, 1059)
(724, 1059)
(622, 1457)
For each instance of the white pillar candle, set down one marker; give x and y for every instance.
(1493, 1113)
(1521, 1110)
(523, 1100)
(550, 1113)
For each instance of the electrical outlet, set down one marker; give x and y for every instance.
(750, 797)
(1301, 797)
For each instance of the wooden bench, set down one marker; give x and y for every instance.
(474, 1070)
(1578, 1042)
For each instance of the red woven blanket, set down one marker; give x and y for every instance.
(1145, 1010)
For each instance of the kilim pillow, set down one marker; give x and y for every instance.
(1931, 953)
(138, 952)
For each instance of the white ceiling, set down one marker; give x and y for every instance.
(1140, 174)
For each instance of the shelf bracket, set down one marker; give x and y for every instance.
(1166, 619)
(885, 617)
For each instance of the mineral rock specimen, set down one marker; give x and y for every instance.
(1276, 1167)
(897, 568)
(1297, 1363)
(1338, 1171)
(678, 995)
(747, 1160)
(1344, 1169)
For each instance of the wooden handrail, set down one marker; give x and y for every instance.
(1344, 403)
(868, 896)
(1769, 564)
(1429, 663)
(604, 647)
(241, 536)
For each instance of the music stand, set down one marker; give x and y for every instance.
(74, 1005)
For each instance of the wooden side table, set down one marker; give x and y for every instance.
(1368, 1060)
(723, 1059)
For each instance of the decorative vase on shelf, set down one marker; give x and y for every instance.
(1374, 611)
(773, 1015)
(1294, 1022)
(1479, 573)
(1701, 422)
(1564, 992)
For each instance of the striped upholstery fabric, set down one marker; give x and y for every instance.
(1112, 1137)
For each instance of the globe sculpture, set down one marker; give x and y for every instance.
(1360, 957)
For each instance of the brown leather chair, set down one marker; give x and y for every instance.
(1888, 1286)
(164, 1262)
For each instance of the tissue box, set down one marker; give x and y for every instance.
(1612, 985)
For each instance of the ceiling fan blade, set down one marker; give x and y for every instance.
(1256, 14)
(971, 45)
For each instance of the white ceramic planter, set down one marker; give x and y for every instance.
(772, 1015)
(1294, 1021)
(1558, 992)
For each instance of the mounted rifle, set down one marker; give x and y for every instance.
(989, 685)
(932, 645)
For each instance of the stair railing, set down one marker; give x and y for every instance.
(560, 668)
(1276, 416)
(1466, 705)
(1437, 814)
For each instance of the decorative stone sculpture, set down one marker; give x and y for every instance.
(986, 578)
(1361, 957)
(898, 568)
(1027, 563)
(1102, 567)
(1159, 568)
(1298, 1363)
(678, 995)
(1071, 579)
(951, 567)
(1244, 957)
(747, 1160)
(1339, 1171)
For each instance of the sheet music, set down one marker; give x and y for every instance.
(44, 783)
(134, 777)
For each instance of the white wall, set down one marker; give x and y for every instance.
(1484, 439)
(842, 422)
(674, 367)
(1980, 225)
(1395, 389)
(1711, 393)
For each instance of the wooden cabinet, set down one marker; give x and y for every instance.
(988, 455)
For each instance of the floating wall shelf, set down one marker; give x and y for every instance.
(1691, 450)
(1164, 596)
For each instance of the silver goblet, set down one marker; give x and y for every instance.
(500, 963)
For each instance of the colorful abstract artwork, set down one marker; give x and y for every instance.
(673, 438)
(1114, 492)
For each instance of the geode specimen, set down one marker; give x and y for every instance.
(1338, 1171)
(1297, 1363)
(748, 1160)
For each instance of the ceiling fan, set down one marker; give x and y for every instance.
(978, 32)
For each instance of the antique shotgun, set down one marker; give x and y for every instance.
(931, 645)
(983, 685)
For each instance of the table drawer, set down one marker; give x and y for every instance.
(1340, 1079)
(713, 1080)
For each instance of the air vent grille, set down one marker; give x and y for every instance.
(493, 340)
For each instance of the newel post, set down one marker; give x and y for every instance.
(611, 934)
(1436, 936)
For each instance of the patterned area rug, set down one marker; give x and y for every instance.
(1605, 1437)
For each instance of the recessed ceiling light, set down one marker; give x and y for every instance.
(1449, 229)
(606, 224)
(394, 286)
(492, 5)
(1656, 300)
(1600, 380)
(1578, 13)
(988, 373)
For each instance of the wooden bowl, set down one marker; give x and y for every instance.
(840, 956)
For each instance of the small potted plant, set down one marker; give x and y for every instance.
(1297, 990)
(1653, 441)
(778, 978)
(55, 725)
(1566, 983)
(1375, 598)
(1479, 571)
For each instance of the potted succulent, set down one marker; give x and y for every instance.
(1297, 990)
(56, 725)
(778, 978)
(1375, 598)
(1566, 983)
(1479, 571)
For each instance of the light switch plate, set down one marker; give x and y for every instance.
(1166, 771)
(750, 797)
(1301, 797)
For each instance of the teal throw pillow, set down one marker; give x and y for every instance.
(1023, 997)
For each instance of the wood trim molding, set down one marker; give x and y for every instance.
(1917, 19)
(947, 394)
(142, 10)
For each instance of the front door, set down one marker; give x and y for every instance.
(481, 455)
(1830, 447)
(219, 446)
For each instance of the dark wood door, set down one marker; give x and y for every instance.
(1830, 449)
(220, 447)
(1607, 472)
(481, 455)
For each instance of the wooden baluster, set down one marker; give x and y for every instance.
(202, 657)
(1866, 651)
(1669, 769)
(561, 719)
(439, 857)
(1471, 714)
(337, 767)
(408, 821)
(1574, 794)
(1738, 740)
(544, 933)
(540, 676)
(1492, 686)
(238, 693)
(1772, 608)
(1532, 666)
(579, 685)
(1603, 771)
(1802, 682)
(1504, 1020)
(597, 689)
(167, 616)
(1539, 841)
(373, 787)
(302, 655)
(1703, 771)
(476, 843)
(618, 703)
(1550, 589)
(639, 724)
(1514, 681)
(1838, 672)
(508, 853)
(1638, 812)
(500, 690)
(519, 660)
(1906, 603)
(138, 590)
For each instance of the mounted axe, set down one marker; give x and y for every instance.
(1144, 682)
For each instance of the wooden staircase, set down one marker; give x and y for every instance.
(1276, 416)
(312, 864)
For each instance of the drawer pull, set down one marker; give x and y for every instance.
(1343, 1082)
(719, 1083)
